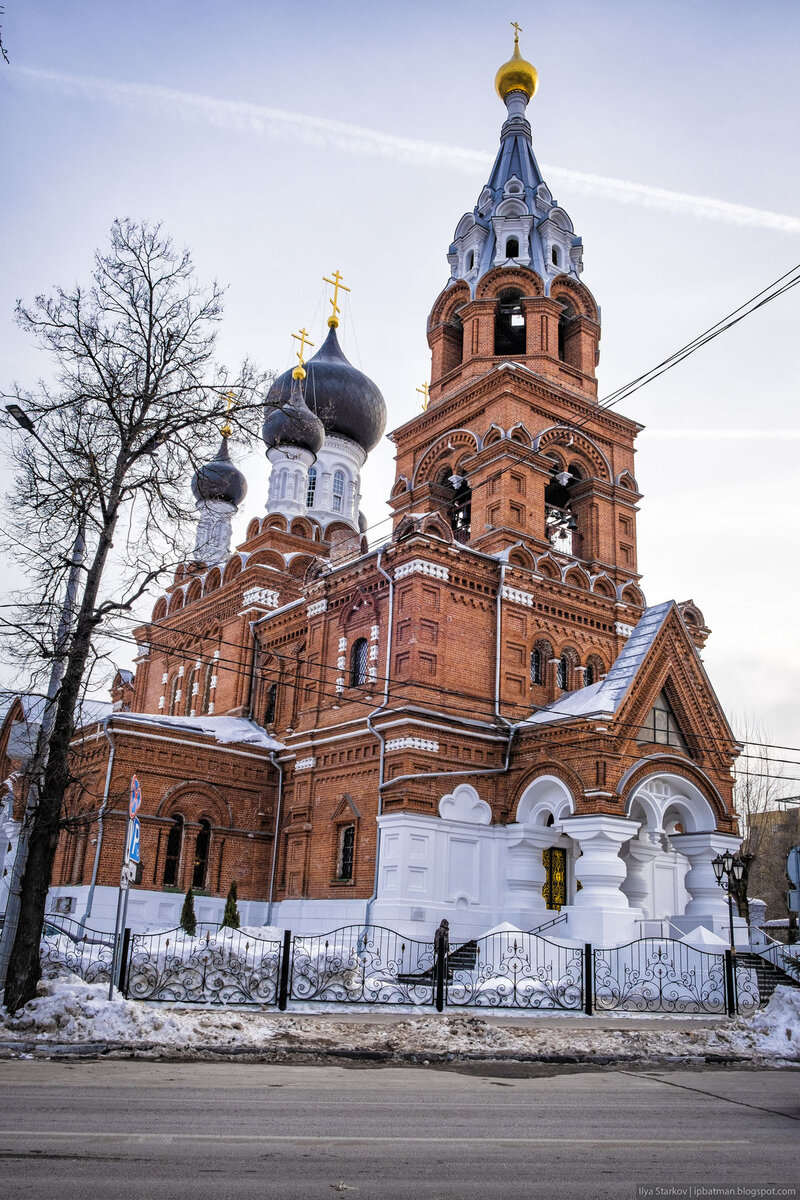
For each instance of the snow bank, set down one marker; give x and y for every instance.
(68, 1010)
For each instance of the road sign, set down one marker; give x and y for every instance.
(136, 797)
(793, 900)
(793, 865)
(133, 841)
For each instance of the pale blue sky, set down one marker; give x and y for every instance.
(698, 98)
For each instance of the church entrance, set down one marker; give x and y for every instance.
(554, 890)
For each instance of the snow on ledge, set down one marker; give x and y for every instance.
(225, 730)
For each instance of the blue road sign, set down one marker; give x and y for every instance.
(136, 797)
(133, 844)
(793, 865)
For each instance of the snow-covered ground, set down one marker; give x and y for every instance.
(68, 1010)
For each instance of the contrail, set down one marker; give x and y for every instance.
(355, 139)
(724, 435)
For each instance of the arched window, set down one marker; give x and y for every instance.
(338, 491)
(173, 857)
(554, 256)
(588, 675)
(564, 322)
(272, 704)
(358, 663)
(509, 323)
(562, 673)
(312, 487)
(461, 518)
(174, 694)
(512, 248)
(192, 688)
(537, 666)
(470, 260)
(207, 688)
(201, 848)
(345, 858)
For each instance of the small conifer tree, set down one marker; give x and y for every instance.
(188, 918)
(230, 917)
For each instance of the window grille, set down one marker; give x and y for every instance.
(347, 842)
(537, 674)
(201, 848)
(661, 727)
(272, 704)
(358, 663)
(312, 487)
(173, 855)
(562, 673)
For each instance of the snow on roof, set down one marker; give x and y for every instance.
(225, 730)
(603, 699)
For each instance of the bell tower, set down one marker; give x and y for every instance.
(513, 449)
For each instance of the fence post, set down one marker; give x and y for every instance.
(122, 974)
(588, 979)
(286, 962)
(730, 983)
(440, 964)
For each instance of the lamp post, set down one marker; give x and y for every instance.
(39, 760)
(729, 872)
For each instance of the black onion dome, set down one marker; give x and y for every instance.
(348, 403)
(363, 524)
(289, 420)
(220, 479)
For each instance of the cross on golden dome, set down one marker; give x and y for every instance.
(425, 393)
(337, 285)
(302, 338)
(226, 429)
(516, 75)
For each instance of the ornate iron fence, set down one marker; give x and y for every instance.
(216, 966)
(68, 945)
(516, 970)
(362, 965)
(660, 975)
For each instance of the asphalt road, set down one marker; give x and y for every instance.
(136, 1131)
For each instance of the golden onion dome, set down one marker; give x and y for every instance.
(516, 75)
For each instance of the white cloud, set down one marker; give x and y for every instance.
(355, 139)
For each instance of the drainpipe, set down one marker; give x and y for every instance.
(100, 817)
(252, 680)
(381, 738)
(279, 769)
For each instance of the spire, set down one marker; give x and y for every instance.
(516, 222)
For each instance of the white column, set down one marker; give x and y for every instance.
(708, 904)
(638, 884)
(600, 912)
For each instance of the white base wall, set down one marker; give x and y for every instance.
(148, 909)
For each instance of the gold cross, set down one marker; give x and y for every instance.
(424, 391)
(337, 285)
(226, 429)
(517, 31)
(302, 338)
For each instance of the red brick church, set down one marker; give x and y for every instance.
(480, 719)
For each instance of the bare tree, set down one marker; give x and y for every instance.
(100, 503)
(759, 787)
(2, 47)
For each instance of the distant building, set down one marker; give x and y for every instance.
(772, 835)
(480, 719)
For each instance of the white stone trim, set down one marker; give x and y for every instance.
(342, 644)
(319, 606)
(623, 630)
(374, 632)
(518, 597)
(421, 566)
(305, 764)
(260, 597)
(412, 743)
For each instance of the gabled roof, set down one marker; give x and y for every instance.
(604, 699)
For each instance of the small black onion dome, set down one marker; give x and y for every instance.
(347, 402)
(220, 479)
(289, 420)
(362, 522)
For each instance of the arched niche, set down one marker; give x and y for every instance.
(545, 801)
(667, 800)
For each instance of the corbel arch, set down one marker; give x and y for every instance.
(233, 568)
(194, 798)
(548, 795)
(521, 279)
(445, 445)
(567, 438)
(447, 302)
(578, 295)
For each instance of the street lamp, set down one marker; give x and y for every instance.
(39, 760)
(729, 872)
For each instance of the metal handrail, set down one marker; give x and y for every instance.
(547, 924)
